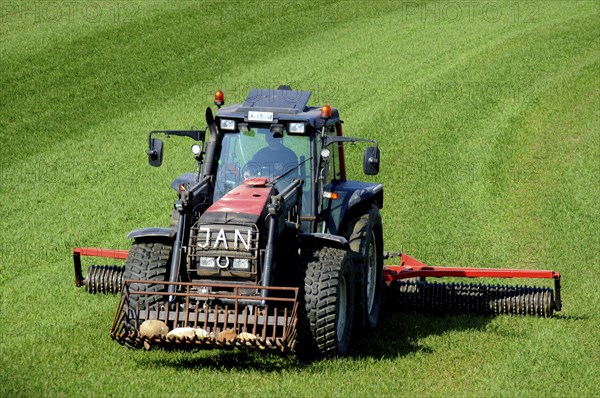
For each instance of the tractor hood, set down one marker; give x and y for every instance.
(246, 204)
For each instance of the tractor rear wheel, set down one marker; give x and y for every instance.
(326, 302)
(148, 260)
(365, 238)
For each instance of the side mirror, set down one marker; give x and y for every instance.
(371, 161)
(155, 152)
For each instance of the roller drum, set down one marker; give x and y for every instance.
(104, 279)
(481, 299)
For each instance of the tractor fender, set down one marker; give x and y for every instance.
(152, 232)
(354, 196)
(328, 240)
(363, 192)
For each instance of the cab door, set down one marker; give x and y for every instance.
(330, 201)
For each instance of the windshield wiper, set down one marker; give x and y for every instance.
(290, 170)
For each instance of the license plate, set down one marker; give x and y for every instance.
(260, 116)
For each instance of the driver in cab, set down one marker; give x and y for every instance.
(274, 160)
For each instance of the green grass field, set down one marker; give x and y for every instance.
(488, 117)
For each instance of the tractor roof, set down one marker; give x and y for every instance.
(284, 103)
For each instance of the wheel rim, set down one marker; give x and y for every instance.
(342, 309)
(371, 272)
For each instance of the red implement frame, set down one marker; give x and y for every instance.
(408, 268)
(91, 252)
(412, 268)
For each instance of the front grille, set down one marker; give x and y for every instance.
(225, 244)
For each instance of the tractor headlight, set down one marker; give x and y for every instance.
(227, 124)
(296, 128)
(207, 262)
(241, 263)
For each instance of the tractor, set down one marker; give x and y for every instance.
(271, 246)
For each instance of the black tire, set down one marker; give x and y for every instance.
(366, 242)
(147, 260)
(326, 302)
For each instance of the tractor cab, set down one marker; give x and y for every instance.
(275, 134)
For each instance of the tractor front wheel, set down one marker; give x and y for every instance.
(326, 302)
(149, 261)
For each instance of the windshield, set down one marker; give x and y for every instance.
(258, 153)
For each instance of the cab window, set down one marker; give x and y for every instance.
(258, 153)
